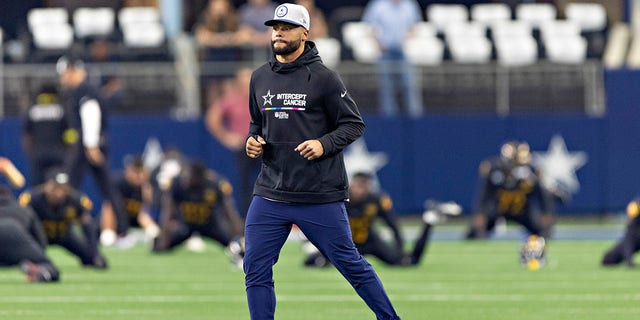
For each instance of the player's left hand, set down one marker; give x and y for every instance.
(310, 149)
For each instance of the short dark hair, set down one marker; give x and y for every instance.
(363, 175)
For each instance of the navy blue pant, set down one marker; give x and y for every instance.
(326, 225)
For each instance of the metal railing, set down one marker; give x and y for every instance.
(169, 87)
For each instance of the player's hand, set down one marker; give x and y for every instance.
(310, 149)
(253, 147)
(11, 172)
(95, 156)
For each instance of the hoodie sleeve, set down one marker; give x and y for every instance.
(343, 116)
(255, 127)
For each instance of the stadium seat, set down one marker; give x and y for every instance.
(562, 41)
(39, 17)
(424, 29)
(354, 31)
(511, 28)
(572, 50)
(132, 15)
(441, 15)
(424, 51)
(141, 27)
(468, 29)
(93, 22)
(516, 51)
(489, 13)
(470, 49)
(367, 50)
(55, 36)
(329, 50)
(535, 13)
(514, 43)
(561, 28)
(143, 35)
(590, 17)
(50, 28)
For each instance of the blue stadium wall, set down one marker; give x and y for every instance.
(437, 156)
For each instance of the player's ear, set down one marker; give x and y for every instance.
(305, 35)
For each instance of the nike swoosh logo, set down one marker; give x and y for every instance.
(343, 94)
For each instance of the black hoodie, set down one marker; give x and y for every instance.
(298, 101)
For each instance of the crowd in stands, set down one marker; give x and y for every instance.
(510, 33)
(226, 25)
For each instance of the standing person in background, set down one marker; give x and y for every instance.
(228, 120)
(44, 131)
(88, 120)
(391, 30)
(302, 117)
(252, 16)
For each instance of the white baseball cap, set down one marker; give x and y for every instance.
(290, 13)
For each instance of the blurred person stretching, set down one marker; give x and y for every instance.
(200, 201)
(365, 207)
(391, 30)
(22, 239)
(228, 120)
(302, 117)
(137, 193)
(88, 119)
(510, 187)
(624, 250)
(61, 209)
(44, 131)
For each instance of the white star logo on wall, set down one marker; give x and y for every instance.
(267, 98)
(559, 166)
(357, 158)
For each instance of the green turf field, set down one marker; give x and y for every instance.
(457, 280)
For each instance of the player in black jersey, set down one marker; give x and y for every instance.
(137, 193)
(61, 210)
(364, 209)
(44, 132)
(200, 201)
(624, 250)
(22, 240)
(510, 187)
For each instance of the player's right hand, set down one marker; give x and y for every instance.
(254, 145)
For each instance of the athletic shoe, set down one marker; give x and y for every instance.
(437, 212)
(34, 272)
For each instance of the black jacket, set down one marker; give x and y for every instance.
(294, 102)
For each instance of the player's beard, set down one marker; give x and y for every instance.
(289, 48)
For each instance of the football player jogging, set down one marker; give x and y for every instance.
(302, 117)
(624, 250)
(61, 210)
